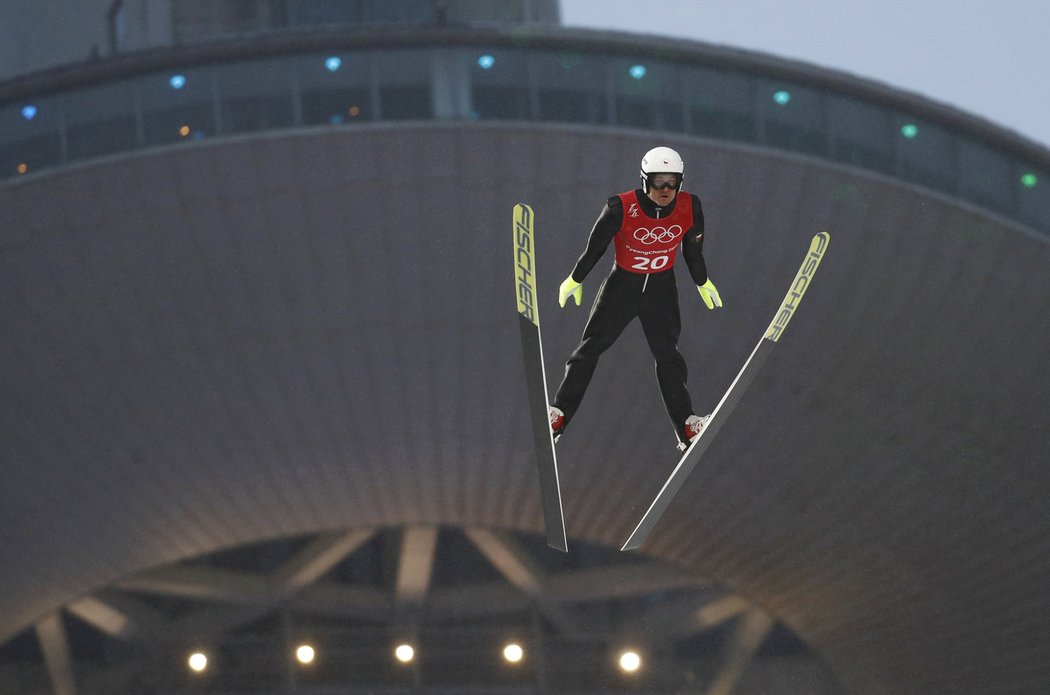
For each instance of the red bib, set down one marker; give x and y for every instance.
(647, 244)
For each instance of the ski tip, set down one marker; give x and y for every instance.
(558, 544)
(817, 247)
(819, 243)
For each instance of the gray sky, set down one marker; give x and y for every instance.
(991, 59)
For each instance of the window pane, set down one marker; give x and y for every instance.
(986, 176)
(335, 87)
(29, 136)
(255, 96)
(178, 106)
(407, 11)
(1033, 198)
(721, 104)
(647, 93)
(793, 116)
(486, 11)
(311, 12)
(101, 120)
(924, 153)
(572, 87)
(861, 133)
(404, 84)
(499, 83)
(198, 20)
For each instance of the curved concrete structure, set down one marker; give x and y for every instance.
(268, 336)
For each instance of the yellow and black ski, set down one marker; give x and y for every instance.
(535, 375)
(743, 379)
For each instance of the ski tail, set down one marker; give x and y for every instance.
(536, 377)
(733, 394)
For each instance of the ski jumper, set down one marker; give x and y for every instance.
(641, 284)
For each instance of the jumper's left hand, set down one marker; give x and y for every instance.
(570, 288)
(709, 293)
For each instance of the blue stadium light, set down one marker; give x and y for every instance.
(910, 131)
(782, 97)
(333, 63)
(29, 112)
(637, 71)
(177, 81)
(486, 62)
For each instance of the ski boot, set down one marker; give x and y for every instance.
(557, 420)
(694, 425)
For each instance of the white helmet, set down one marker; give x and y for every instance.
(662, 160)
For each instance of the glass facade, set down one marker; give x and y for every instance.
(334, 88)
(644, 93)
(181, 106)
(573, 88)
(101, 120)
(859, 134)
(403, 83)
(720, 105)
(926, 153)
(985, 176)
(512, 82)
(499, 85)
(792, 117)
(32, 135)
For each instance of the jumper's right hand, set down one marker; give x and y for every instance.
(570, 287)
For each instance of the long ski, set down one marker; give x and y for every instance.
(536, 377)
(732, 396)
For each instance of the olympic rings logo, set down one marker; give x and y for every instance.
(661, 235)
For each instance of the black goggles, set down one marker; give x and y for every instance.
(663, 182)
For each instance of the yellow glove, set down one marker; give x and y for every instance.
(570, 287)
(709, 293)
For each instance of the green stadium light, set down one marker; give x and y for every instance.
(782, 97)
(910, 130)
(1029, 180)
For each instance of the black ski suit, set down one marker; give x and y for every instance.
(624, 294)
